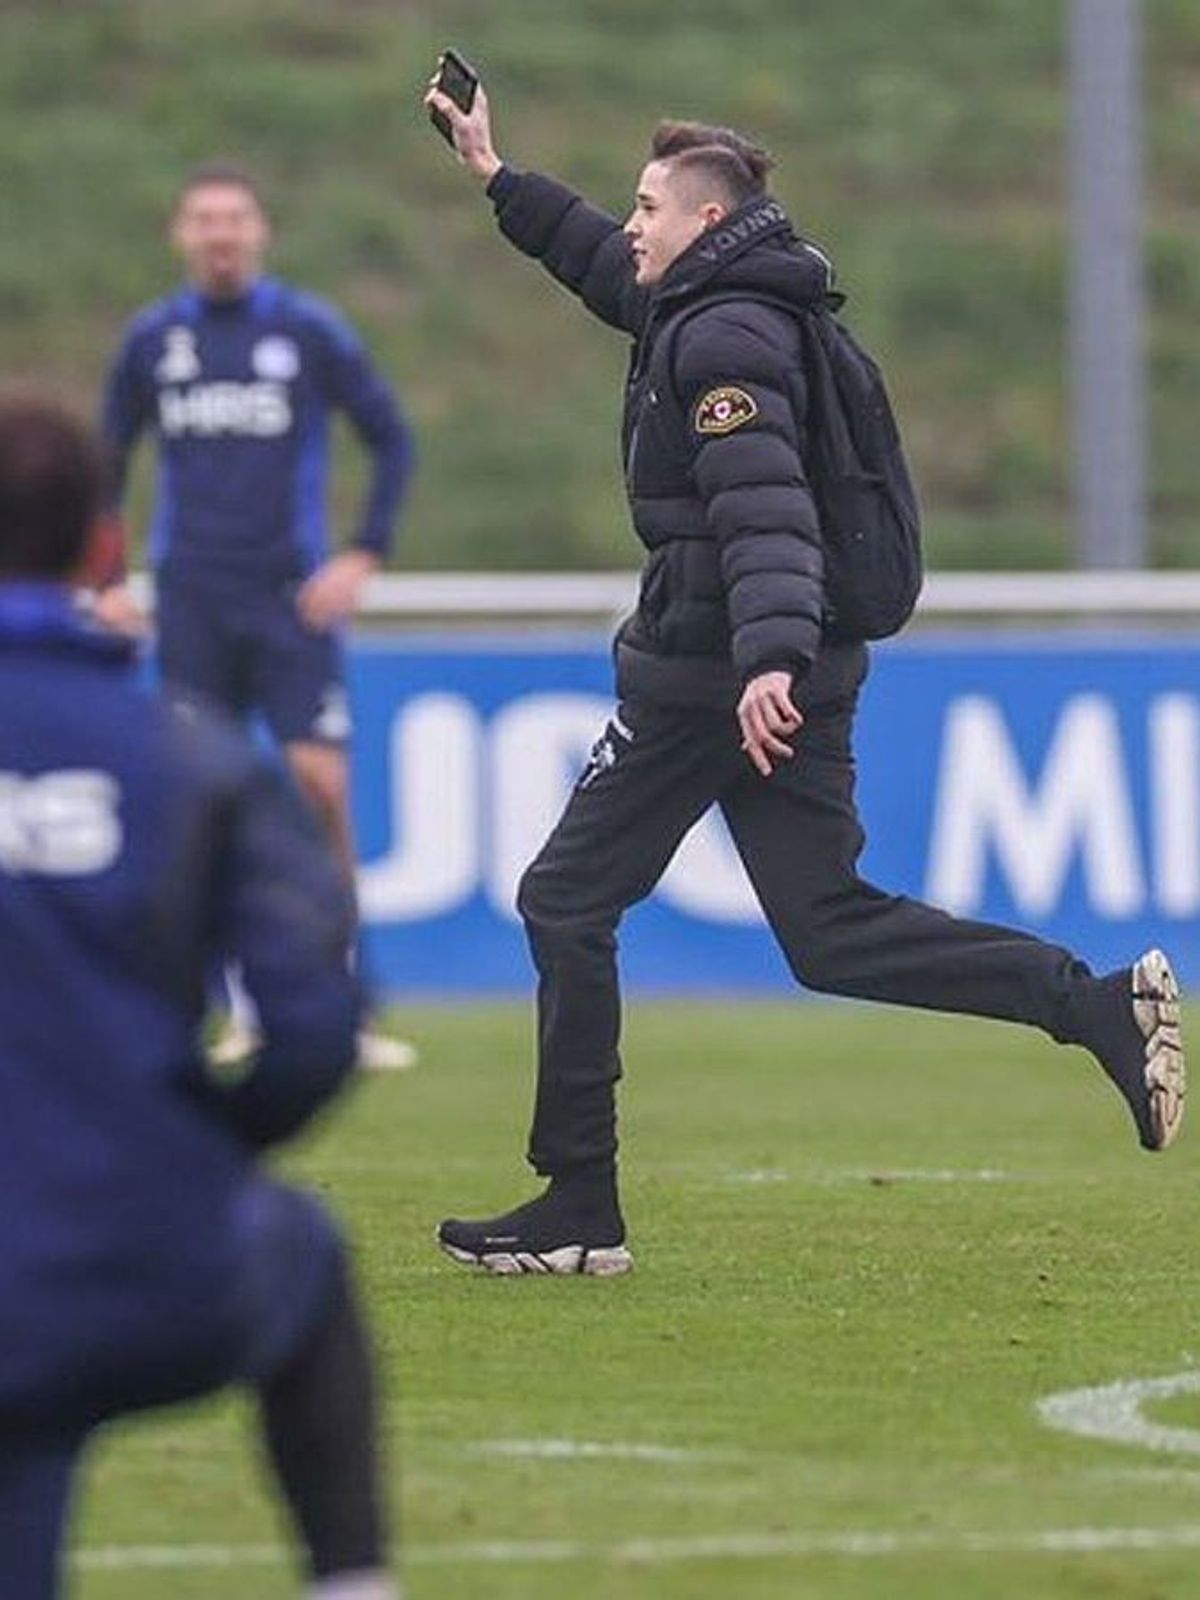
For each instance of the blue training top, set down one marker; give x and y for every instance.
(238, 394)
(137, 850)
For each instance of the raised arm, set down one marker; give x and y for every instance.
(578, 244)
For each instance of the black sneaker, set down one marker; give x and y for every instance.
(555, 1233)
(1134, 1032)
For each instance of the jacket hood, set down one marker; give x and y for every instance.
(756, 250)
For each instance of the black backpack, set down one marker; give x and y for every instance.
(870, 520)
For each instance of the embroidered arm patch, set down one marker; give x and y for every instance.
(724, 409)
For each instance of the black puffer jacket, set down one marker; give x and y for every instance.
(713, 447)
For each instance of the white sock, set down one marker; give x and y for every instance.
(243, 1013)
(373, 1585)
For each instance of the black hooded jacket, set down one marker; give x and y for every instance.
(712, 436)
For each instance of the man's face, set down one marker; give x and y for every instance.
(666, 217)
(221, 233)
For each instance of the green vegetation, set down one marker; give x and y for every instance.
(864, 1252)
(921, 141)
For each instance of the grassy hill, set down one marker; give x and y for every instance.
(921, 141)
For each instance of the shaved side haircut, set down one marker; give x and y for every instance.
(718, 160)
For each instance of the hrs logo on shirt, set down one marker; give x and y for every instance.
(249, 410)
(259, 409)
(63, 824)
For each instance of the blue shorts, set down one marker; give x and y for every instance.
(250, 651)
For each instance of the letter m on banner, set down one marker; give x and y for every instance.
(1081, 806)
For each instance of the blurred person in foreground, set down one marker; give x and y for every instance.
(734, 689)
(144, 1257)
(236, 375)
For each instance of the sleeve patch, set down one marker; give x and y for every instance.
(724, 409)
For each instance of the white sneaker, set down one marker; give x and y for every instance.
(357, 1586)
(381, 1052)
(1156, 1012)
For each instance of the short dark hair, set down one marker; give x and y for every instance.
(220, 174)
(51, 485)
(732, 163)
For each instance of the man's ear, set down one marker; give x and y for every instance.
(103, 558)
(713, 212)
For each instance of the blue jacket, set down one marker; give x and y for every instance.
(238, 395)
(138, 849)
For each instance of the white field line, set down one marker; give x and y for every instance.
(131, 1557)
(1114, 1412)
(660, 1552)
(592, 1450)
(877, 1175)
(930, 1175)
(1185, 1477)
(813, 1176)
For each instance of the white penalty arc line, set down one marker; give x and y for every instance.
(1114, 1412)
(660, 1552)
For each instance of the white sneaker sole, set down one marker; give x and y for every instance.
(1156, 1012)
(569, 1260)
(379, 1052)
(233, 1047)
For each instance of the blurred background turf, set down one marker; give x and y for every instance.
(921, 141)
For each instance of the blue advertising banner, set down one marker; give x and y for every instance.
(1043, 781)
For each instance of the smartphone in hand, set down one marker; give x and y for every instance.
(458, 80)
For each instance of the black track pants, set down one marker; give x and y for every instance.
(654, 772)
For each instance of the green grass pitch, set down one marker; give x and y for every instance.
(867, 1241)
